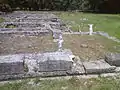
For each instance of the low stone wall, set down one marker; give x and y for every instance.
(28, 32)
(53, 64)
(11, 64)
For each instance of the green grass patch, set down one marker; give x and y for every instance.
(13, 86)
(109, 23)
(1, 19)
(67, 84)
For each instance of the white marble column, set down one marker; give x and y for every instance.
(90, 29)
(60, 42)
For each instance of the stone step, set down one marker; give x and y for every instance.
(24, 29)
(98, 67)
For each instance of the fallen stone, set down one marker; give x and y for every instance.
(11, 64)
(84, 45)
(98, 67)
(113, 59)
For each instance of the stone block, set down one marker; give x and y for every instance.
(113, 59)
(11, 64)
(53, 62)
(98, 67)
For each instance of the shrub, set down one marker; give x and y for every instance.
(5, 8)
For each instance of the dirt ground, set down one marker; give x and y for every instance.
(88, 47)
(11, 44)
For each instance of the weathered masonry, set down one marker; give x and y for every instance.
(53, 64)
(11, 64)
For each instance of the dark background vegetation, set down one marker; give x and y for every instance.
(98, 6)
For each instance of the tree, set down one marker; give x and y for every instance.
(96, 4)
(4, 6)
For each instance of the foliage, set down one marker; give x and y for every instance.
(82, 5)
(5, 8)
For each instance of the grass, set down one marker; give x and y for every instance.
(10, 26)
(73, 83)
(109, 23)
(1, 19)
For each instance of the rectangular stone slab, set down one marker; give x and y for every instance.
(11, 64)
(113, 59)
(97, 67)
(49, 62)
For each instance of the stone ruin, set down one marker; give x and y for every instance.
(11, 64)
(18, 22)
(54, 64)
(59, 63)
(113, 59)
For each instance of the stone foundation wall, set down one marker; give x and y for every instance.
(11, 64)
(54, 64)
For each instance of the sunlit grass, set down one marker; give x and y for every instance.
(109, 23)
(73, 83)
